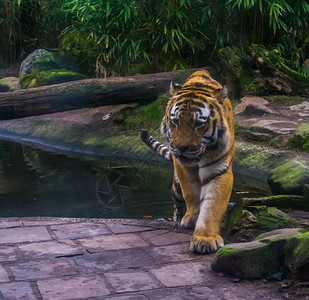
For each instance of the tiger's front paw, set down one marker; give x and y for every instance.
(206, 244)
(188, 221)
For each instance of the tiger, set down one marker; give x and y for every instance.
(198, 126)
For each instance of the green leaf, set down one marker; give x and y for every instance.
(108, 8)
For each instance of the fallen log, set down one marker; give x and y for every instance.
(87, 93)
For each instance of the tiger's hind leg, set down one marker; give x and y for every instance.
(178, 200)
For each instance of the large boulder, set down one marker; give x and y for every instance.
(260, 258)
(289, 178)
(39, 60)
(297, 255)
(40, 68)
(251, 105)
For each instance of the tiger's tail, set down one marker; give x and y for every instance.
(161, 149)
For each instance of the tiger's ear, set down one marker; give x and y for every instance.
(174, 88)
(222, 94)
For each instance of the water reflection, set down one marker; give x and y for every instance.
(40, 183)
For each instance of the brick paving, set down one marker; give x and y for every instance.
(58, 258)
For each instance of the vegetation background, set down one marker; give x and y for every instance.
(121, 37)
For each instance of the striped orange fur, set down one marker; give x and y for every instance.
(198, 126)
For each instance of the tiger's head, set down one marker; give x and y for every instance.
(194, 118)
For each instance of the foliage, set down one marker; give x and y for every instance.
(280, 24)
(168, 34)
(26, 25)
(120, 33)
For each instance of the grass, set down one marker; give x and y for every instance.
(147, 116)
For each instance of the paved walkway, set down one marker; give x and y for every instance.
(52, 258)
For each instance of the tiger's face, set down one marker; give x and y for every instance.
(193, 120)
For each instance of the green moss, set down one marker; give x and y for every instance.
(274, 141)
(297, 251)
(93, 141)
(239, 128)
(254, 159)
(49, 77)
(148, 116)
(306, 146)
(225, 251)
(126, 142)
(272, 218)
(289, 174)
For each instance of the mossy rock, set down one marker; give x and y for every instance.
(9, 84)
(271, 218)
(297, 255)
(281, 201)
(261, 72)
(233, 219)
(289, 178)
(301, 138)
(49, 77)
(245, 223)
(263, 257)
(37, 61)
(250, 260)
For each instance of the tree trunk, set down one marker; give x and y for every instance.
(87, 93)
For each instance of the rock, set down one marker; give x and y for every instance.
(281, 201)
(49, 77)
(302, 107)
(253, 134)
(251, 105)
(271, 218)
(39, 60)
(233, 219)
(274, 127)
(301, 138)
(297, 255)
(278, 234)
(40, 68)
(250, 260)
(306, 192)
(261, 72)
(289, 178)
(8, 84)
(245, 223)
(257, 259)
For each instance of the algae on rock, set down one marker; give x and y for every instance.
(289, 178)
(250, 260)
(301, 138)
(263, 257)
(49, 77)
(297, 255)
(261, 72)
